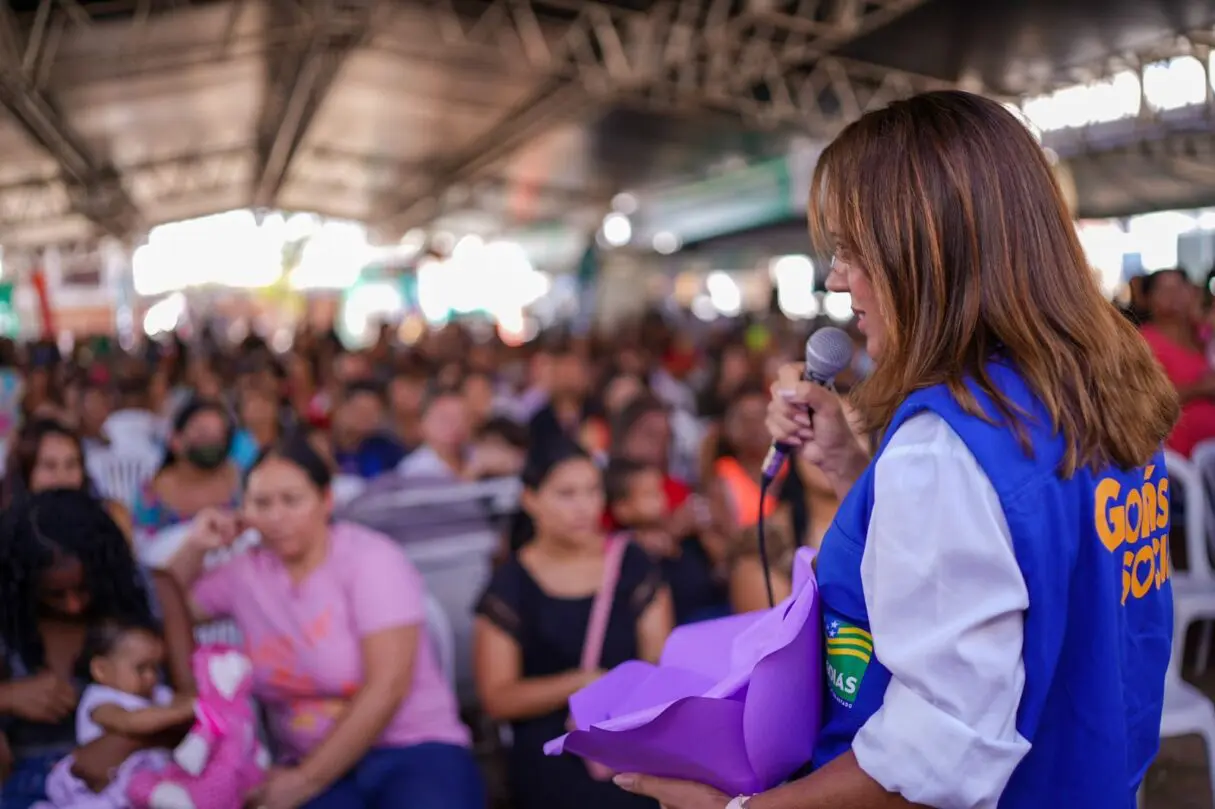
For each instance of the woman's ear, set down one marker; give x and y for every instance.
(527, 501)
(327, 503)
(242, 512)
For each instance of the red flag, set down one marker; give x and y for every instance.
(44, 304)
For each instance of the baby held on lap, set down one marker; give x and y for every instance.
(124, 697)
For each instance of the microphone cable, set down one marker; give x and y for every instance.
(828, 351)
(765, 481)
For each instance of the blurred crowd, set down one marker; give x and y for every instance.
(1177, 319)
(201, 481)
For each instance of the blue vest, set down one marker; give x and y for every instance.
(1093, 550)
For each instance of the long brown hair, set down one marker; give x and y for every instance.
(950, 206)
(23, 456)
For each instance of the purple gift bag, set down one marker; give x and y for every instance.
(733, 703)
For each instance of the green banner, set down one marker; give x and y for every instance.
(737, 200)
(9, 322)
(764, 193)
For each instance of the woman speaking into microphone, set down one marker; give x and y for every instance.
(995, 587)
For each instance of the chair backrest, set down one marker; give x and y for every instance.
(131, 427)
(120, 472)
(442, 637)
(346, 488)
(155, 550)
(1172, 676)
(1193, 489)
(448, 531)
(420, 509)
(1203, 460)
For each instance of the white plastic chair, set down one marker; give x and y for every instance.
(135, 427)
(447, 529)
(156, 550)
(1193, 588)
(1186, 711)
(456, 569)
(442, 636)
(346, 488)
(120, 471)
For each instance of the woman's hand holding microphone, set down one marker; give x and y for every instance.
(813, 419)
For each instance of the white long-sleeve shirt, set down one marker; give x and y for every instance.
(946, 602)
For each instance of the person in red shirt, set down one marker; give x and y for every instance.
(1172, 332)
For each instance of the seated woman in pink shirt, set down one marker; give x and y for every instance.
(334, 620)
(1172, 332)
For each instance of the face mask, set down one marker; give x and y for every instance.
(207, 456)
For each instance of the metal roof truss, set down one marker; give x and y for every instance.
(769, 62)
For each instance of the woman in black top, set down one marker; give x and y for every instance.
(532, 622)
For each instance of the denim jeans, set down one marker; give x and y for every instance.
(27, 784)
(423, 776)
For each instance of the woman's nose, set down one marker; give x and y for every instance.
(837, 279)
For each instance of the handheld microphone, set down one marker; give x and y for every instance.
(828, 351)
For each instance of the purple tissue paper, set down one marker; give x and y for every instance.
(734, 703)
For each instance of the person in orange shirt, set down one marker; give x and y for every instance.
(734, 459)
(798, 508)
